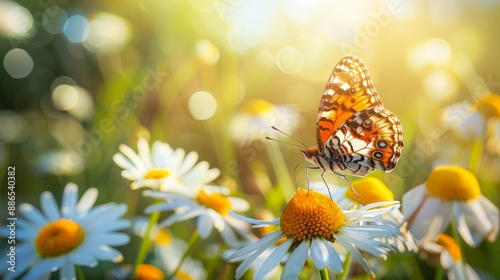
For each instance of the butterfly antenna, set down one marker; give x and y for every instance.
(302, 145)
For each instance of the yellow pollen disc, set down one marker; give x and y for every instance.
(311, 215)
(157, 173)
(257, 107)
(58, 238)
(453, 183)
(370, 190)
(216, 201)
(148, 272)
(163, 237)
(489, 105)
(450, 245)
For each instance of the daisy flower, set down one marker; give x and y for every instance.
(479, 119)
(371, 190)
(450, 258)
(210, 204)
(162, 168)
(450, 192)
(309, 226)
(257, 116)
(78, 234)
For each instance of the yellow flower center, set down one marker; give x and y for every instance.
(453, 183)
(58, 238)
(310, 214)
(148, 272)
(163, 237)
(450, 245)
(157, 173)
(370, 190)
(257, 107)
(489, 105)
(181, 275)
(216, 201)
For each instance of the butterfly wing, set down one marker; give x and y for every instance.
(348, 91)
(372, 138)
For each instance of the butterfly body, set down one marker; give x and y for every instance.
(355, 133)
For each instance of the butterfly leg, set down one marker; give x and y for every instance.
(307, 175)
(348, 183)
(326, 185)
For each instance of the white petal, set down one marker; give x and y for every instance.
(49, 206)
(82, 257)
(355, 254)
(492, 213)
(472, 222)
(266, 241)
(32, 214)
(144, 153)
(104, 252)
(44, 266)
(254, 221)
(319, 253)
(205, 225)
(87, 200)
(67, 271)
(188, 163)
(229, 237)
(273, 260)
(413, 199)
(239, 204)
(123, 161)
(333, 260)
(69, 199)
(133, 157)
(432, 219)
(296, 261)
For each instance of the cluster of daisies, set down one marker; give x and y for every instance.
(325, 227)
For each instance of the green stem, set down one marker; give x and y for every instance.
(79, 273)
(146, 241)
(211, 267)
(192, 243)
(279, 165)
(476, 154)
(323, 273)
(345, 268)
(439, 274)
(456, 236)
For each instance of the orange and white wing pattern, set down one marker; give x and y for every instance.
(349, 90)
(355, 133)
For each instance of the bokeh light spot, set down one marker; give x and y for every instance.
(207, 52)
(290, 60)
(76, 28)
(15, 20)
(18, 63)
(73, 99)
(107, 32)
(440, 85)
(435, 51)
(202, 105)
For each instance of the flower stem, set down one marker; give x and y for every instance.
(192, 243)
(475, 157)
(143, 251)
(345, 268)
(279, 166)
(454, 230)
(439, 274)
(323, 273)
(79, 273)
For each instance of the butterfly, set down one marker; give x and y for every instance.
(355, 134)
